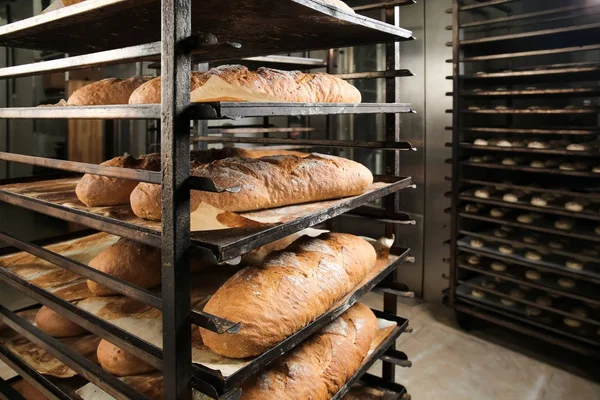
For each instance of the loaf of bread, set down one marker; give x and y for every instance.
(28, 391)
(275, 299)
(54, 324)
(107, 91)
(118, 362)
(286, 86)
(100, 191)
(266, 182)
(320, 366)
(130, 261)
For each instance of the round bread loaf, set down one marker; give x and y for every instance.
(118, 362)
(54, 324)
(107, 91)
(275, 299)
(100, 191)
(130, 261)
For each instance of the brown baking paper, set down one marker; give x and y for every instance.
(151, 384)
(145, 322)
(37, 357)
(56, 280)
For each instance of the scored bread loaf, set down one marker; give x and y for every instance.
(107, 91)
(320, 366)
(130, 261)
(287, 86)
(54, 324)
(266, 182)
(101, 191)
(118, 362)
(290, 289)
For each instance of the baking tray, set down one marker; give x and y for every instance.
(57, 198)
(561, 306)
(582, 334)
(539, 75)
(570, 249)
(582, 229)
(270, 27)
(527, 168)
(524, 203)
(588, 192)
(204, 111)
(52, 278)
(560, 152)
(550, 262)
(572, 130)
(390, 328)
(516, 274)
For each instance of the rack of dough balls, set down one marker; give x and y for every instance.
(267, 198)
(522, 254)
(585, 168)
(567, 227)
(269, 324)
(575, 321)
(579, 289)
(528, 199)
(577, 255)
(588, 147)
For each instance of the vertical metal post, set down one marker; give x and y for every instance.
(175, 153)
(455, 146)
(392, 167)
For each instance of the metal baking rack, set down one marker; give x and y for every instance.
(558, 306)
(546, 226)
(551, 323)
(516, 241)
(525, 82)
(269, 26)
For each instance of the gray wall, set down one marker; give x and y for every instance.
(436, 85)
(426, 91)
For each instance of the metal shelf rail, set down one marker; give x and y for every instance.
(537, 89)
(276, 26)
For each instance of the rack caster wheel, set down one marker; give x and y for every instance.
(465, 321)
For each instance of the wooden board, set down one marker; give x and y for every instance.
(85, 136)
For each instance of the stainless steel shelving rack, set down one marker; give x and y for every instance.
(526, 74)
(101, 32)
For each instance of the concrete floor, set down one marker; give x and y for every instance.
(485, 363)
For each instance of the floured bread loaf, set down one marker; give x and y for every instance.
(130, 261)
(100, 191)
(286, 86)
(54, 324)
(107, 91)
(290, 289)
(118, 362)
(320, 366)
(266, 182)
